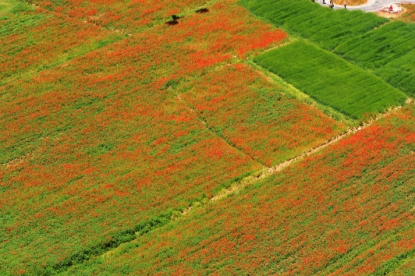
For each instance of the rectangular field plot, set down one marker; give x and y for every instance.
(331, 80)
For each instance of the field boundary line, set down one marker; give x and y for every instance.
(208, 127)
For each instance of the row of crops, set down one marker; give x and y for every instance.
(388, 51)
(331, 80)
(345, 211)
(361, 38)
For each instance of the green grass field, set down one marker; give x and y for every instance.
(364, 39)
(326, 27)
(388, 51)
(331, 80)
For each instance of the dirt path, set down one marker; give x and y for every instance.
(370, 6)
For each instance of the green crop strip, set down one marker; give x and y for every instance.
(331, 80)
(323, 26)
(361, 38)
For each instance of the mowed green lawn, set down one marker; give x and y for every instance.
(331, 80)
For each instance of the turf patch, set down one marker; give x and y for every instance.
(331, 80)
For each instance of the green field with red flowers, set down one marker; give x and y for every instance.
(347, 210)
(134, 142)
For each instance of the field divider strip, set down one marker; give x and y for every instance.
(208, 127)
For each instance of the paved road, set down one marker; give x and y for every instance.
(370, 6)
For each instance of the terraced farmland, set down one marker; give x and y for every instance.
(331, 80)
(254, 117)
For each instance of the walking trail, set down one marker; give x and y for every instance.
(370, 6)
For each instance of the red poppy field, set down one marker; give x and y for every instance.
(113, 124)
(124, 16)
(33, 41)
(347, 210)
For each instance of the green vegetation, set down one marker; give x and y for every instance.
(380, 46)
(12, 6)
(400, 73)
(116, 128)
(362, 38)
(331, 80)
(388, 50)
(324, 26)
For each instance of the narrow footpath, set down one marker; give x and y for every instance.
(370, 6)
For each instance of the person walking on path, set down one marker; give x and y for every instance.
(345, 4)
